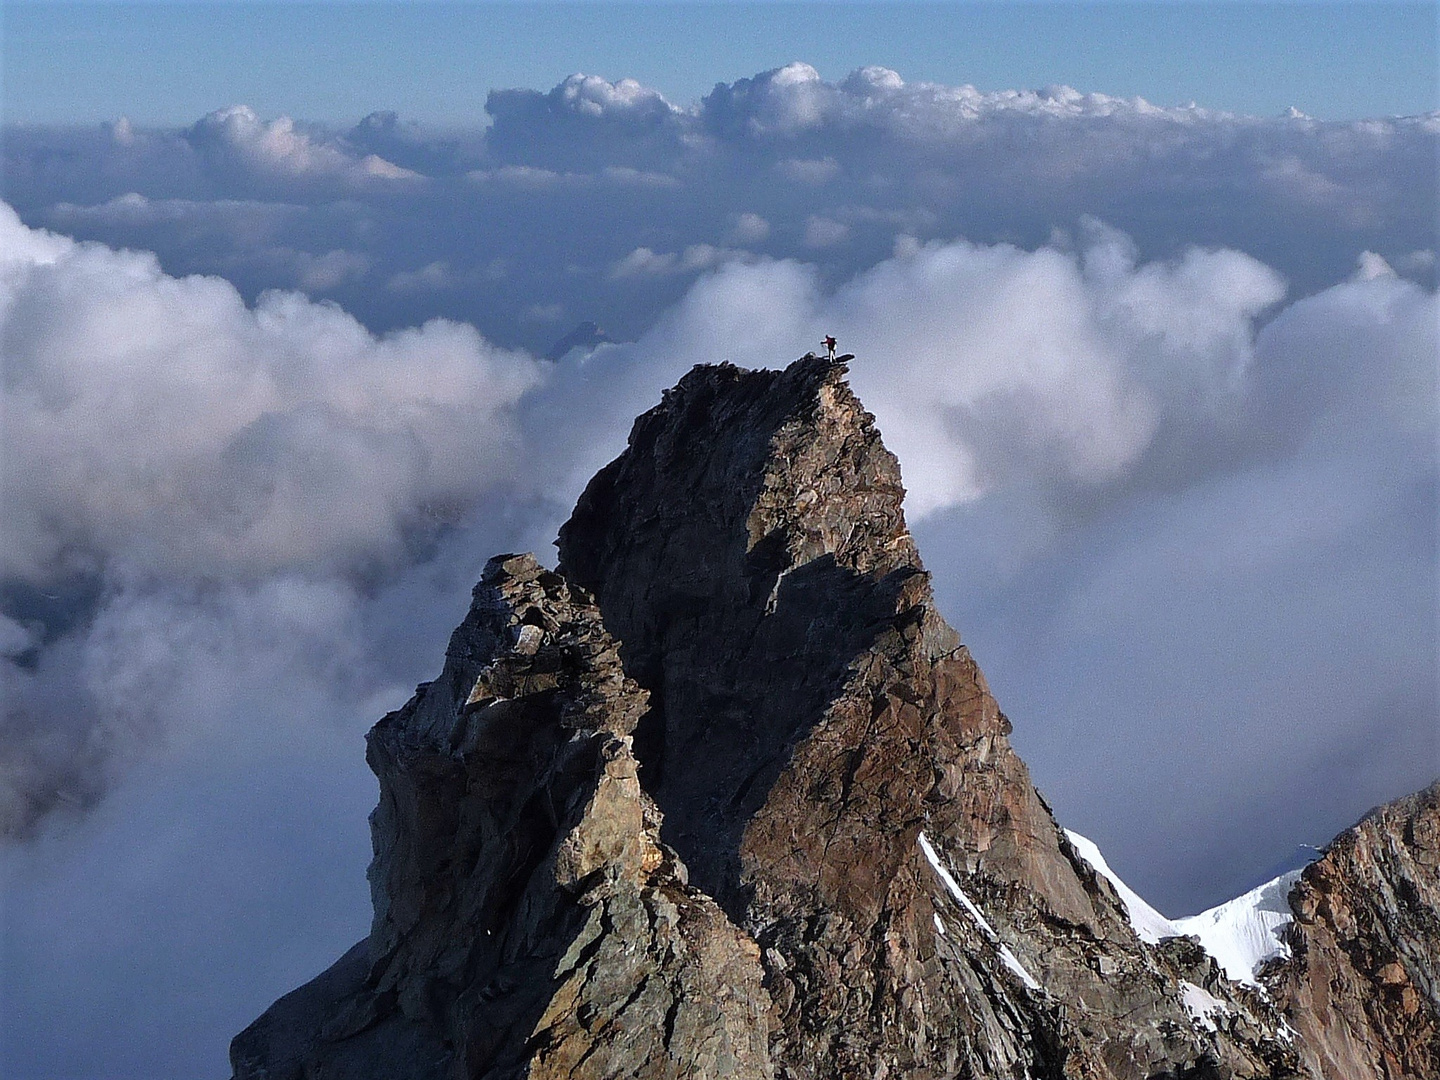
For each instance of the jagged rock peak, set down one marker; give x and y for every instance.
(787, 463)
(826, 753)
(748, 548)
(724, 796)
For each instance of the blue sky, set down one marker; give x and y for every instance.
(168, 63)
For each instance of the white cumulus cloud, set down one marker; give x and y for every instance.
(162, 424)
(277, 147)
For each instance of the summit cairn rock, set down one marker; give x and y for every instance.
(724, 796)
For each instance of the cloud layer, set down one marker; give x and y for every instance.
(1161, 382)
(1164, 534)
(159, 424)
(603, 201)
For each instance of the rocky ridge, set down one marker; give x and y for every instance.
(1362, 983)
(724, 795)
(524, 903)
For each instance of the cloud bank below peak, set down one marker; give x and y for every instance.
(1161, 382)
(255, 439)
(283, 441)
(1156, 477)
(539, 205)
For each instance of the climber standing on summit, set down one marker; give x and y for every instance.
(829, 343)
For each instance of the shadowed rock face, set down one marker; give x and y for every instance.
(746, 549)
(725, 796)
(1362, 986)
(812, 714)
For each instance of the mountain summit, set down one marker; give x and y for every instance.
(724, 796)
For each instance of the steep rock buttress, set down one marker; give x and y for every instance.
(528, 919)
(1362, 983)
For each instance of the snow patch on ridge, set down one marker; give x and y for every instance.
(1241, 934)
(1016, 968)
(949, 879)
(1202, 1005)
(1001, 949)
(1245, 932)
(1149, 924)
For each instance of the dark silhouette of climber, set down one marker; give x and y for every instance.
(829, 343)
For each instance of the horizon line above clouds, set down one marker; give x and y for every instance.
(589, 92)
(64, 62)
(599, 201)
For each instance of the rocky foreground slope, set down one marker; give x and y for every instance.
(724, 796)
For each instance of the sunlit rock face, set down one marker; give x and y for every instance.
(724, 796)
(1362, 985)
(528, 919)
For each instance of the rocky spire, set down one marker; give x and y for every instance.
(813, 717)
(724, 795)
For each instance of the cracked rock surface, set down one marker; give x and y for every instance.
(724, 796)
(1362, 985)
(528, 919)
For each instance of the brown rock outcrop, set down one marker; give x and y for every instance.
(1362, 984)
(812, 716)
(528, 920)
(738, 669)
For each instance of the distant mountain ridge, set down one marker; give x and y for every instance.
(586, 336)
(724, 796)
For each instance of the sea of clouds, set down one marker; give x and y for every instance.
(1161, 381)
(599, 200)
